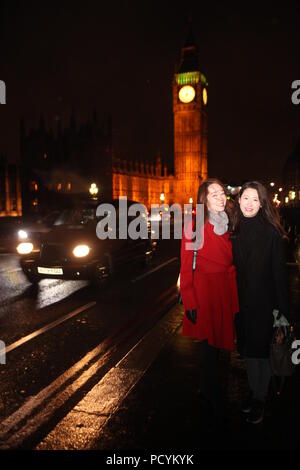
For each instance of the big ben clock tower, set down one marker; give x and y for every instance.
(190, 124)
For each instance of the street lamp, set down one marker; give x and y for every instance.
(93, 189)
(162, 197)
(191, 200)
(272, 184)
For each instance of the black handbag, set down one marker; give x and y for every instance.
(281, 351)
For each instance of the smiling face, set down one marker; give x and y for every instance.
(249, 202)
(216, 198)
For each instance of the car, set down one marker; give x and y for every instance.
(71, 248)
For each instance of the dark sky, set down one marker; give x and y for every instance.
(119, 58)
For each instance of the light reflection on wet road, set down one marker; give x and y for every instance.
(24, 309)
(14, 284)
(55, 290)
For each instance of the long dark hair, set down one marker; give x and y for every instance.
(268, 212)
(203, 192)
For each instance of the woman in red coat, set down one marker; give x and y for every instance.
(208, 289)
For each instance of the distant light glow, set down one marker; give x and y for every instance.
(292, 195)
(93, 189)
(22, 234)
(276, 200)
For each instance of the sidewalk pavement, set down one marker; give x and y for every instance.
(164, 410)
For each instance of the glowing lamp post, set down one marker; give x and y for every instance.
(93, 189)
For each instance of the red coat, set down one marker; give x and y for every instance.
(211, 289)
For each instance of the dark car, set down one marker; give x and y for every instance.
(71, 249)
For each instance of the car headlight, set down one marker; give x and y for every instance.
(80, 251)
(22, 234)
(24, 248)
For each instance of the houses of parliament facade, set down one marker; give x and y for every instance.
(74, 158)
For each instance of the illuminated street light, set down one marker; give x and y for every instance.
(276, 200)
(292, 195)
(93, 189)
(162, 197)
(191, 200)
(272, 184)
(280, 189)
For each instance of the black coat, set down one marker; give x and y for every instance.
(259, 257)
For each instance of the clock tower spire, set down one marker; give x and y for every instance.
(190, 123)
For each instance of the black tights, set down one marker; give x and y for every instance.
(259, 375)
(210, 378)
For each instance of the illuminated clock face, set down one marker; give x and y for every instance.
(204, 96)
(187, 94)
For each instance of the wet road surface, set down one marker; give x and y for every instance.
(56, 332)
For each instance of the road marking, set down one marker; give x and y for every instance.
(50, 393)
(61, 389)
(83, 425)
(5, 271)
(153, 270)
(36, 333)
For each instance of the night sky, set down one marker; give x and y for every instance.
(119, 57)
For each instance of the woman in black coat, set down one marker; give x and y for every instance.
(259, 257)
